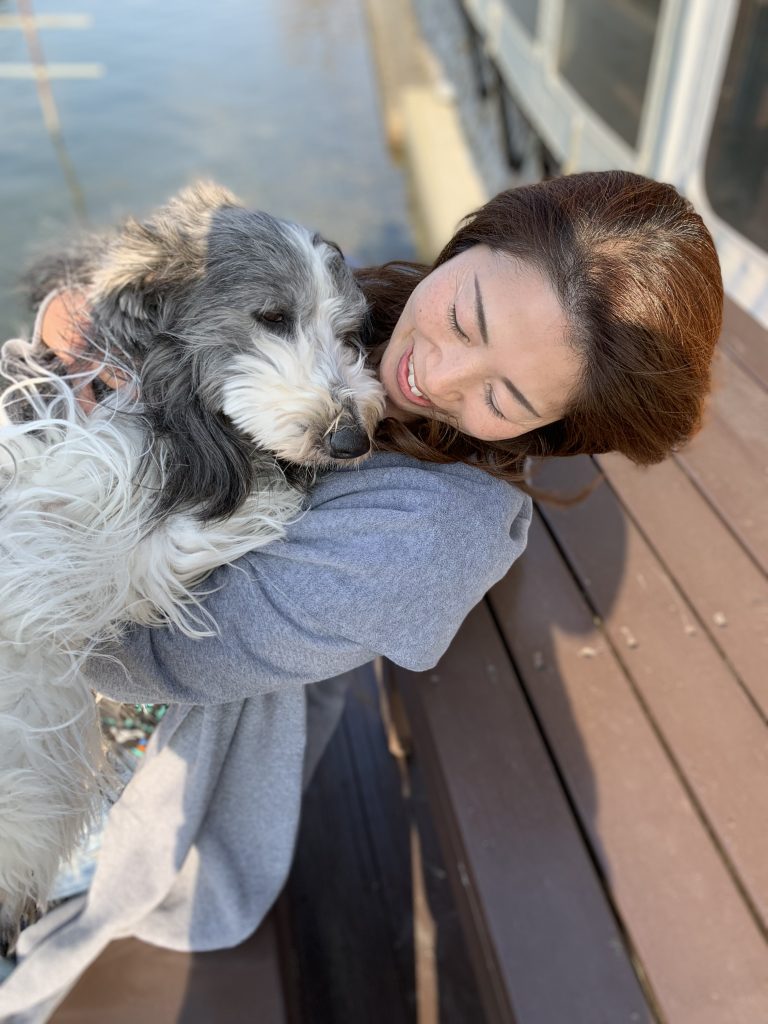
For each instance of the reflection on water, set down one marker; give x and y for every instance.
(275, 99)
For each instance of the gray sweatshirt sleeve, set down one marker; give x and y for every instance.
(388, 559)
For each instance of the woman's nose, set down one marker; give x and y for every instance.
(447, 376)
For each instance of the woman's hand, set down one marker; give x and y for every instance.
(62, 330)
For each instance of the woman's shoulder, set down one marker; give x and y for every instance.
(386, 471)
(453, 495)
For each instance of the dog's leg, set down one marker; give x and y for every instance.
(50, 786)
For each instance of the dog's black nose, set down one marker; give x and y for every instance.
(348, 442)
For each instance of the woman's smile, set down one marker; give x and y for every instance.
(406, 378)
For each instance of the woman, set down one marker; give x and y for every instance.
(578, 315)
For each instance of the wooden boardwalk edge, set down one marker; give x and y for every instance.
(525, 884)
(662, 870)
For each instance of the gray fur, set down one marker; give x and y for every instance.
(175, 299)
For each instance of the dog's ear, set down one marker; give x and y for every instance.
(146, 260)
(205, 463)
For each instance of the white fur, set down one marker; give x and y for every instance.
(77, 562)
(274, 392)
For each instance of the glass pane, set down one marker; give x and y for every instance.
(736, 173)
(605, 54)
(526, 12)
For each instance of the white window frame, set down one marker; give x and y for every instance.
(693, 43)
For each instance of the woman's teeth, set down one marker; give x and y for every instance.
(412, 378)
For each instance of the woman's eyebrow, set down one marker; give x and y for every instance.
(519, 395)
(483, 327)
(480, 312)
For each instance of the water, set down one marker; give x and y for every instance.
(276, 99)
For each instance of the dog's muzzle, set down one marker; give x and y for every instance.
(348, 441)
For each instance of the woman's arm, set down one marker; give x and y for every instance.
(388, 560)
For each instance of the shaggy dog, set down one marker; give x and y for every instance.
(239, 337)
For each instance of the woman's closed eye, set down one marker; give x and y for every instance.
(490, 401)
(455, 326)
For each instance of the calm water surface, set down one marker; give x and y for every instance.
(274, 98)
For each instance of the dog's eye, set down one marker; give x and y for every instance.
(269, 316)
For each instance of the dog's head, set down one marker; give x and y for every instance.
(247, 332)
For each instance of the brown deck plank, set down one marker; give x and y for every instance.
(718, 738)
(743, 403)
(719, 579)
(544, 940)
(350, 910)
(701, 951)
(725, 474)
(745, 339)
(348, 903)
(394, 811)
(133, 981)
(728, 459)
(458, 997)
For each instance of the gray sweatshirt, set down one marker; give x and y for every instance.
(387, 560)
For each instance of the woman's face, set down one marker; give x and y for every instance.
(481, 344)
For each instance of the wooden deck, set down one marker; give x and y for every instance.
(372, 930)
(597, 737)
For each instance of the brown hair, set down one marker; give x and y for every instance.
(637, 275)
